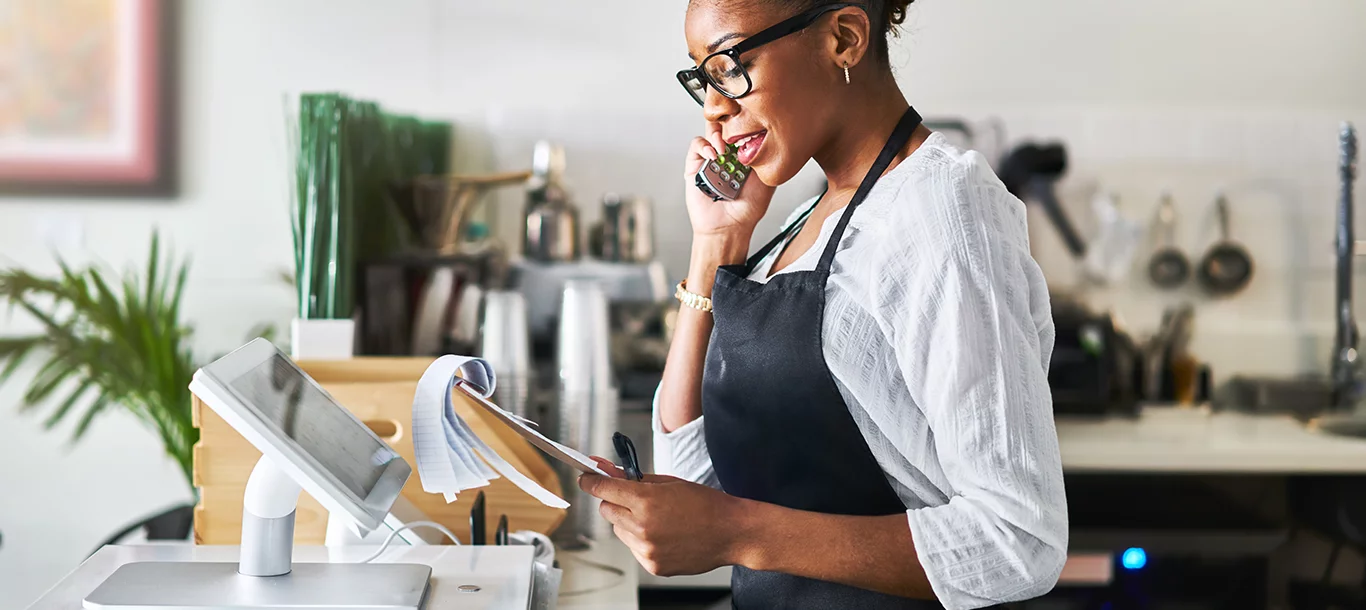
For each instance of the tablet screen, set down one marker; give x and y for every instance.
(285, 399)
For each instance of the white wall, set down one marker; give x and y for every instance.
(1162, 93)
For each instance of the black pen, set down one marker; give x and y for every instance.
(626, 451)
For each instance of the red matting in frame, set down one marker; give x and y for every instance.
(143, 164)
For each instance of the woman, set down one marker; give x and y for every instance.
(859, 417)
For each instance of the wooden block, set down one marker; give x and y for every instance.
(379, 391)
(358, 370)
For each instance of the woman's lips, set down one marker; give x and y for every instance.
(748, 147)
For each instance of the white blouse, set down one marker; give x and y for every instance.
(938, 332)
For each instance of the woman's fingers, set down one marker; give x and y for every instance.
(631, 540)
(618, 473)
(616, 491)
(703, 148)
(714, 137)
(609, 467)
(621, 518)
(648, 555)
(699, 152)
(615, 514)
(660, 478)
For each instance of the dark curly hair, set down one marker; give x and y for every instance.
(885, 15)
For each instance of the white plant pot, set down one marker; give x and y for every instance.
(322, 339)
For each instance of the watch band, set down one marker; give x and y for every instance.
(691, 299)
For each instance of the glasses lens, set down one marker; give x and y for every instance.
(726, 75)
(693, 82)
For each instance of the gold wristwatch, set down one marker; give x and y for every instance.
(691, 299)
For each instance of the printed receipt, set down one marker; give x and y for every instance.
(450, 457)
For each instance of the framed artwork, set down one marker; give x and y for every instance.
(87, 97)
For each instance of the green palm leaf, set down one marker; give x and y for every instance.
(15, 351)
(82, 426)
(109, 342)
(61, 411)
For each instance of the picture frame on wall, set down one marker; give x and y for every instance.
(87, 97)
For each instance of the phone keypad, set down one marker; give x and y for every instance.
(725, 173)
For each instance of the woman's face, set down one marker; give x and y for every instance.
(793, 80)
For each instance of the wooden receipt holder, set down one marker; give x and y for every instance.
(379, 391)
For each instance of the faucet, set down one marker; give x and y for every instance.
(1346, 369)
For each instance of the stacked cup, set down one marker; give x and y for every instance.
(505, 343)
(586, 411)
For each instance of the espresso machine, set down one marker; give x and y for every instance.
(620, 250)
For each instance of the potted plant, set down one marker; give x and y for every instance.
(108, 343)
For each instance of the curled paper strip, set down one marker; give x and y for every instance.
(450, 457)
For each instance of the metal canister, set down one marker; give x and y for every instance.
(627, 228)
(550, 232)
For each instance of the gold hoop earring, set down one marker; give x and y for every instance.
(846, 72)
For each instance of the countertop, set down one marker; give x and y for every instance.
(606, 577)
(601, 578)
(1195, 440)
(1169, 439)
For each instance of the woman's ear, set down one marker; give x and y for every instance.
(850, 37)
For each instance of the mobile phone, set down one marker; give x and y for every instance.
(722, 178)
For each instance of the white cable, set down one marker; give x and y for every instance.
(385, 545)
(613, 570)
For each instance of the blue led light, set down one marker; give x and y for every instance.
(1134, 559)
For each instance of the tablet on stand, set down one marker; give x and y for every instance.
(308, 442)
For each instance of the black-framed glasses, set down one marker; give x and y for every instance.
(724, 70)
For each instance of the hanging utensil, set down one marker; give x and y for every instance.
(1347, 365)
(1110, 256)
(1227, 267)
(1169, 267)
(1031, 172)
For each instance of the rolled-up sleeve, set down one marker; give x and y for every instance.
(682, 452)
(974, 346)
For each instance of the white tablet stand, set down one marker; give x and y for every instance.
(265, 576)
(268, 521)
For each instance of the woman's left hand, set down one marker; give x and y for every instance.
(672, 526)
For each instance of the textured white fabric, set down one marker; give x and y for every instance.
(938, 332)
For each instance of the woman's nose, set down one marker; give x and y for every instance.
(717, 108)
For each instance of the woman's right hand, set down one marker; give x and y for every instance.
(721, 219)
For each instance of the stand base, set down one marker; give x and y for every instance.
(155, 585)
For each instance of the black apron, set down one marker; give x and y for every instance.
(777, 428)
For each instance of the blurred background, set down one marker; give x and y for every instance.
(189, 120)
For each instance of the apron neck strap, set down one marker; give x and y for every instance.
(782, 236)
(909, 122)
